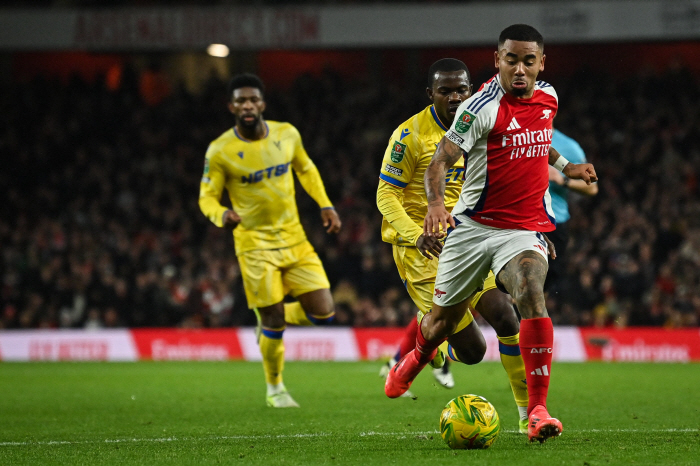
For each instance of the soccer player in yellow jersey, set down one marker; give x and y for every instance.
(402, 201)
(254, 162)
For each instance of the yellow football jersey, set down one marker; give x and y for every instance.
(258, 178)
(410, 149)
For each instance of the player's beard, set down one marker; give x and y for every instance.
(519, 91)
(249, 123)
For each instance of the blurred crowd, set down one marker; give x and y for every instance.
(100, 225)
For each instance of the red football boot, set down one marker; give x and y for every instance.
(401, 376)
(541, 427)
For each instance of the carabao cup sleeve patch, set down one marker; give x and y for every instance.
(464, 122)
(397, 152)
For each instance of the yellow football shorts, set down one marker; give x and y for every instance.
(418, 274)
(270, 275)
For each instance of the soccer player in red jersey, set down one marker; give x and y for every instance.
(506, 130)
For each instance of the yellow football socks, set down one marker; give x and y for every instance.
(272, 350)
(515, 367)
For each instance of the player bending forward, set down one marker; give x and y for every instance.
(402, 201)
(254, 162)
(506, 130)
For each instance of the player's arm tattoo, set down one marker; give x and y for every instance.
(523, 277)
(553, 155)
(445, 156)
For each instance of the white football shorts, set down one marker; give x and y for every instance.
(471, 250)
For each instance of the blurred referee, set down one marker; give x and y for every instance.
(559, 187)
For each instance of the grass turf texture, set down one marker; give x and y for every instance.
(214, 413)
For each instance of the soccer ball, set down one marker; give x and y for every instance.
(469, 422)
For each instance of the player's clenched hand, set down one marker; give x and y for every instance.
(429, 246)
(581, 171)
(331, 220)
(230, 219)
(550, 247)
(436, 218)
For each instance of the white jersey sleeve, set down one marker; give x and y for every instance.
(475, 117)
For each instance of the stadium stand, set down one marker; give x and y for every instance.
(100, 225)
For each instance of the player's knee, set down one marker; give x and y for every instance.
(323, 308)
(318, 304)
(497, 309)
(272, 317)
(506, 323)
(472, 354)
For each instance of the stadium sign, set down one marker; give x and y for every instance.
(417, 25)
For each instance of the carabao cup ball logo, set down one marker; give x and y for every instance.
(464, 121)
(469, 422)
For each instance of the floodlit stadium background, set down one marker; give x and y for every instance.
(107, 112)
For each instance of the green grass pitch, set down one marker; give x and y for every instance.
(154, 413)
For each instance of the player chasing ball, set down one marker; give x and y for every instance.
(506, 130)
(254, 162)
(401, 199)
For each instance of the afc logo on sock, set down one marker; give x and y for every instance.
(540, 350)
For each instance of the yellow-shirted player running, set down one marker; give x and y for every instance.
(402, 201)
(254, 162)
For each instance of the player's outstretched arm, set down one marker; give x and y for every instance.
(578, 186)
(575, 171)
(438, 217)
(581, 171)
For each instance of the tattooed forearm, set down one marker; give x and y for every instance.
(445, 156)
(553, 155)
(523, 277)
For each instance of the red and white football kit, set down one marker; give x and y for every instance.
(505, 201)
(502, 210)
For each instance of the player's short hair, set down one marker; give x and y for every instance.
(521, 32)
(446, 64)
(244, 80)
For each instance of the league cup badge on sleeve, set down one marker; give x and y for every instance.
(464, 122)
(397, 152)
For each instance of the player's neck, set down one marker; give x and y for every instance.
(254, 133)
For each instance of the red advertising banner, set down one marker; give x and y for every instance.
(378, 343)
(641, 344)
(187, 344)
(67, 345)
(571, 344)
